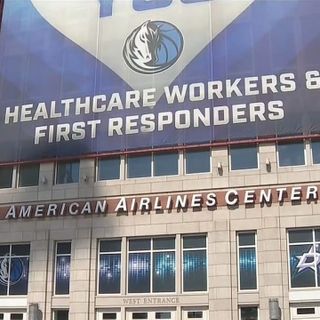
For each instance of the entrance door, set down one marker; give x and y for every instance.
(195, 314)
(150, 315)
(13, 316)
(109, 315)
(305, 312)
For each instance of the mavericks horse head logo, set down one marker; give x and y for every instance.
(153, 47)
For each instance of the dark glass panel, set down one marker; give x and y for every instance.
(195, 270)
(29, 175)
(165, 164)
(21, 249)
(139, 244)
(244, 158)
(110, 245)
(198, 161)
(139, 166)
(19, 273)
(298, 236)
(139, 273)
(109, 169)
(6, 177)
(291, 154)
(163, 243)
(249, 313)
(68, 172)
(64, 248)
(247, 239)
(248, 268)
(164, 266)
(62, 275)
(110, 273)
(194, 242)
(4, 250)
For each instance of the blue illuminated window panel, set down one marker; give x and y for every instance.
(248, 268)
(164, 265)
(247, 261)
(110, 267)
(195, 270)
(152, 275)
(62, 272)
(110, 273)
(139, 272)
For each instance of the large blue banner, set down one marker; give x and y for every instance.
(97, 76)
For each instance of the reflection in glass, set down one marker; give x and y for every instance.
(163, 272)
(291, 154)
(195, 270)
(302, 266)
(244, 158)
(139, 272)
(62, 274)
(109, 273)
(247, 268)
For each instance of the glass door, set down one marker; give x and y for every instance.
(13, 316)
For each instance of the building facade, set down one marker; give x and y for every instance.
(159, 160)
(97, 239)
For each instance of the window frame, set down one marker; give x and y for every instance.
(56, 172)
(293, 166)
(7, 295)
(152, 165)
(311, 149)
(97, 169)
(185, 151)
(56, 255)
(18, 177)
(121, 267)
(313, 229)
(238, 260)
(249, 306)
(247, 169)
(182, 262)
(13, 178)
(59, 309)
(151, 251)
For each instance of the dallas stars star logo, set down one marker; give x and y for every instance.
(309, 260)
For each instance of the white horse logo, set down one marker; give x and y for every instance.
(153, 47)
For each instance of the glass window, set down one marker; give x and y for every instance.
(139, 166)
(315, 146)
(249, 313)
(109, 316)
(68, 172)
(109, 169)
(6, 177)
(152, 264)
(29, 175)
(16, 316)
(304, 255)
(291, 154)
(198, 161)
(194, 263)
(61, 314)
(165, 164)
(62, 268)
(247, 261)
(244, 158)
(109, 266)
(14, 261)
